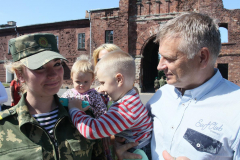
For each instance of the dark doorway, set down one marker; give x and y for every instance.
(149, 66)
(223, 68)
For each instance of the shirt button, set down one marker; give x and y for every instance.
(172, 127)
(183, 104)
(198, 145)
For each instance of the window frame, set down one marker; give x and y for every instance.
(9, 52)
(57, 39)
(81, 45)
(108, 36)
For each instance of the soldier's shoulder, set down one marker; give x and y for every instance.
(8, 112)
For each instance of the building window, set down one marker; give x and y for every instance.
(57, 40)
(223, 68)
(9, 52)
(223, 28)
(224, 34)
(81, 41)
(109, 37)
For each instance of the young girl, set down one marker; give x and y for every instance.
(82, 75)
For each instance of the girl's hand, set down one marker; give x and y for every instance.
(76, 103)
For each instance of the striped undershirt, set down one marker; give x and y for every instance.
(47, 120)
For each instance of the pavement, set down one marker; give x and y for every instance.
(144, 96)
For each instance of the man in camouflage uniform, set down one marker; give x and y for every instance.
(156, 84)
(21, 136)
(162, 82)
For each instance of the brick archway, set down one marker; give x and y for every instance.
(145, 37)
(143, 41)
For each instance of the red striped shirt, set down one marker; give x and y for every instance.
(127, 118)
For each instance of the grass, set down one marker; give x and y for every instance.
(6, 84)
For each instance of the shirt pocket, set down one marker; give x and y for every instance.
(75, 145)
(29, 152)
(81, 148)
(201, 142)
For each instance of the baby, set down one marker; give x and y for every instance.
(82, 75)
(127, 117)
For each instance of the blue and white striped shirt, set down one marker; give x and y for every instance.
(47, 120)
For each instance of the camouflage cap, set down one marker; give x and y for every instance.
(34, 50)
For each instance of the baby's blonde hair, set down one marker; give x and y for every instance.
(108, 47)
(82, 64)
(118, 61)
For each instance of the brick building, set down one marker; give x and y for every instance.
(133, 27)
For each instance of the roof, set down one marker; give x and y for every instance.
(40, 24)
(93, 10)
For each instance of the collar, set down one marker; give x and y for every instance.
(25, 117)
(126, 96)
(202, 90)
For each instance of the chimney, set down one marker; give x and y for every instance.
(12, 23)
(86, 14)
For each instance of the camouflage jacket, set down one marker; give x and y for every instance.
(21, 137)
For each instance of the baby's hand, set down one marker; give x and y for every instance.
(76, 103)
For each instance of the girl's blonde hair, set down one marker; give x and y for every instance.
(16, 67)
(82, 64)
(108, 47)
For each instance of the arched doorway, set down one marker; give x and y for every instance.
(149, 65)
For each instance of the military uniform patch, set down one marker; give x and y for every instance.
(43, 42)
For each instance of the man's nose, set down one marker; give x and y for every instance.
(161, 65)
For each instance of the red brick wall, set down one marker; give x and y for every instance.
(67, 33)
(134, 24)
(4, 38)
(145, 19)
(113, 19)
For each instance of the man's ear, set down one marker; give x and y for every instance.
(119, 78)
(19, 76)
(204, 56)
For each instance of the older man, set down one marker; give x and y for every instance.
(197, 113)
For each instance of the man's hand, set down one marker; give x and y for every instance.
(76, 103)
(121, 149)
(167, 156)
(106, 142)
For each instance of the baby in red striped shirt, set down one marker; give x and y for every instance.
(127, 117)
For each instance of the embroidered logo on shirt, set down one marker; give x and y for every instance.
(212, 126)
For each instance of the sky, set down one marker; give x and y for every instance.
(28, 12)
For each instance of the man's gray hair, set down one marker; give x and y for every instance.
(195, 31)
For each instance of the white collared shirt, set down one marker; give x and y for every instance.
(204, 123)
